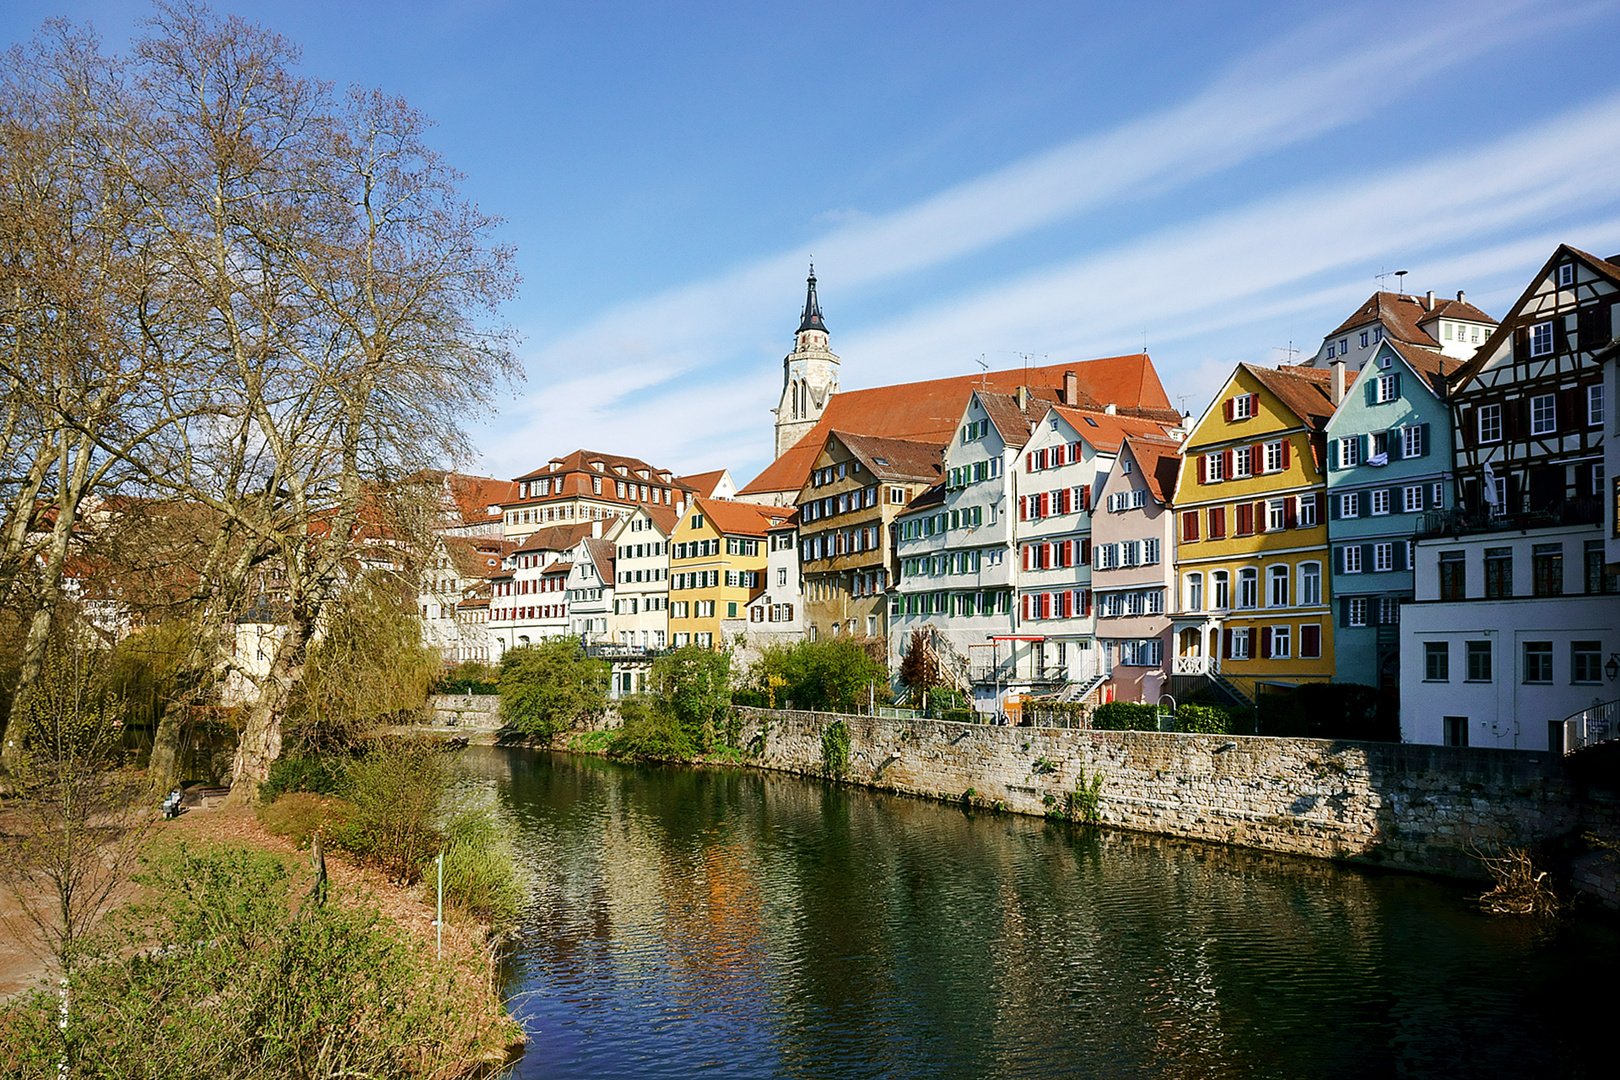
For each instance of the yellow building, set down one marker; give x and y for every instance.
(716, 566)
(1252, 563)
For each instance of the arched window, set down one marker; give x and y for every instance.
(1220, 587)
(1194, 592)
(1277, 586)
(1248, 588)
(795, 392)
(1310, 584)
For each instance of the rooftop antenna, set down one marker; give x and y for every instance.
(984, 374)
(1288, 351)
(1380, 276)
(1144, 341)
(1400, 280)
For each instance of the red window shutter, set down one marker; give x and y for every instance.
(1046, 504)
(1023, 508)
(1265, 643)
(1085, 497)
(1259, 517)
(1026, 556)
(1203, 470)
(1029, 461)
(1226, 644)
(1074, 451)
(1290, 515)
(1310, 641)
(1254, 404)
(1046, 605)
(1285, 452)
(1189, 525)
(1065, 501)
(1067, 609)
(1226, 406)
(1257, 458)
(1226, 456)
(1245, 519)
(1085, 552)
(1086, 600)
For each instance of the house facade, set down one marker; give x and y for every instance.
(529, 597)
(717, 566)
(1517, 603)
(587, 486)
(640, 617)
(589, 591)
(858, 486)
(1133, 568)
(455, 587)
(1453, 328)
(1388, 464)
(1252, 544)
(777, 614)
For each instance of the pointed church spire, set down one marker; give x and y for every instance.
(811, 319)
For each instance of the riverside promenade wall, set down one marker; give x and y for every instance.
(1414, 807)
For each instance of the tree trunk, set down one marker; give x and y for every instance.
(260, 742)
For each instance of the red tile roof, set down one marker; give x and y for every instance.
(894, 459)
(602, 553)
(1160, 463)
(1014, 422)
(1403, 317)
(1305, 391)
(732, 518)
(929, 411)
(474, 495)
(555, 538)
(1436, 368)
(702, 483)
(1110, 432)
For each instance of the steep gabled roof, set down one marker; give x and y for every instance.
(599, 464)
(702, 484)
(1304, 391)
(664, 517)
(894, 459)
(477, 556)
(554, 538)
(929, 411)
(474, 495)
(739, 518)
(923, 500)
(1436, 368)
(1106, 432)
(1160, 463)
(1403, 317)
(1013, 422)
(1503, 338)
(602, 553)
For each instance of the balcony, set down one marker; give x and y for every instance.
(1585, 510)
(1196, 665)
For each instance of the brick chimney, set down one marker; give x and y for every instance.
(1071, 389)
(1021, 395)
(1337, 392)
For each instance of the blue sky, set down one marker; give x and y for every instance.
(998, 181)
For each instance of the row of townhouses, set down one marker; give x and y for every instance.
(1420, 507)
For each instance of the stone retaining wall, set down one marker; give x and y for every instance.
(1402, 805)
(478, 712)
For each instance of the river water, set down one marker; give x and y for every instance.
(722, 922)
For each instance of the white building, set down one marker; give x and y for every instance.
(529, 598)
(455, 589)
(1454, 328)
(777, 614)
(640, 618)
(588, 591)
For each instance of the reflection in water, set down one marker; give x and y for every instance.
(689, 922)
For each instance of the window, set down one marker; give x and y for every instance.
(1543, 414)
(1150, 552)
(1437, 494)
(1490, 423)
(1241, 461)
(1277, 586)
(1217, 522)
(1248, 588)
(1387, 388)
(1456, 730)
(1383, 557)
(1453, 576)
(1350, 554)
(1274, 456)
(1333, 350)
(1479, 661)
(1541, 339)
(1364, 339)
(1380, 501)
(1498, 573)
(1597, 579)
(1389, 610)
(1214, 466)
(1356, 611)
(1538, 662)
(1221, 596)
(1242, 406)
(1189, 527)
(1350, 452)
(1240, 643)
(1436, 661)
(1281, 646)
(1307, 511)
(1310, 584)
(1412, 441)
(1310, 641)
(1585, 662)
(1412, 498)
(1594, 404)
(1344, 346)
(1547, 570)
(1350, 505)
(1566, 275)
(1194, 591)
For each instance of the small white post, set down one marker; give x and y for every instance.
(440, 921)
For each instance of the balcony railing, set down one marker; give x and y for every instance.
(1196, 665)
(1585, 510)
(1598, 724)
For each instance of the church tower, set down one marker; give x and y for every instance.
(809, 374)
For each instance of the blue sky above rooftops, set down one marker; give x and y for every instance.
(1043, 181)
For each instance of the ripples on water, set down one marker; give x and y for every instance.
(691, 922)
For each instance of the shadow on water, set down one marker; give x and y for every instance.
(690, 921)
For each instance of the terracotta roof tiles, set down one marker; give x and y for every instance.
(732, 518)
(1107, 432)
(894, 459)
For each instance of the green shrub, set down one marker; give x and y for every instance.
(1204, 720)
(649, 733)
(395, 789)
(479, 867)
(297, 814)
(826, 676)
(468, 677)
(835, 748)
(694, 687)
(1125, 716)
(550, 687)
(279, 991)
(318, 775)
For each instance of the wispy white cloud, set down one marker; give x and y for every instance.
(682, 377)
